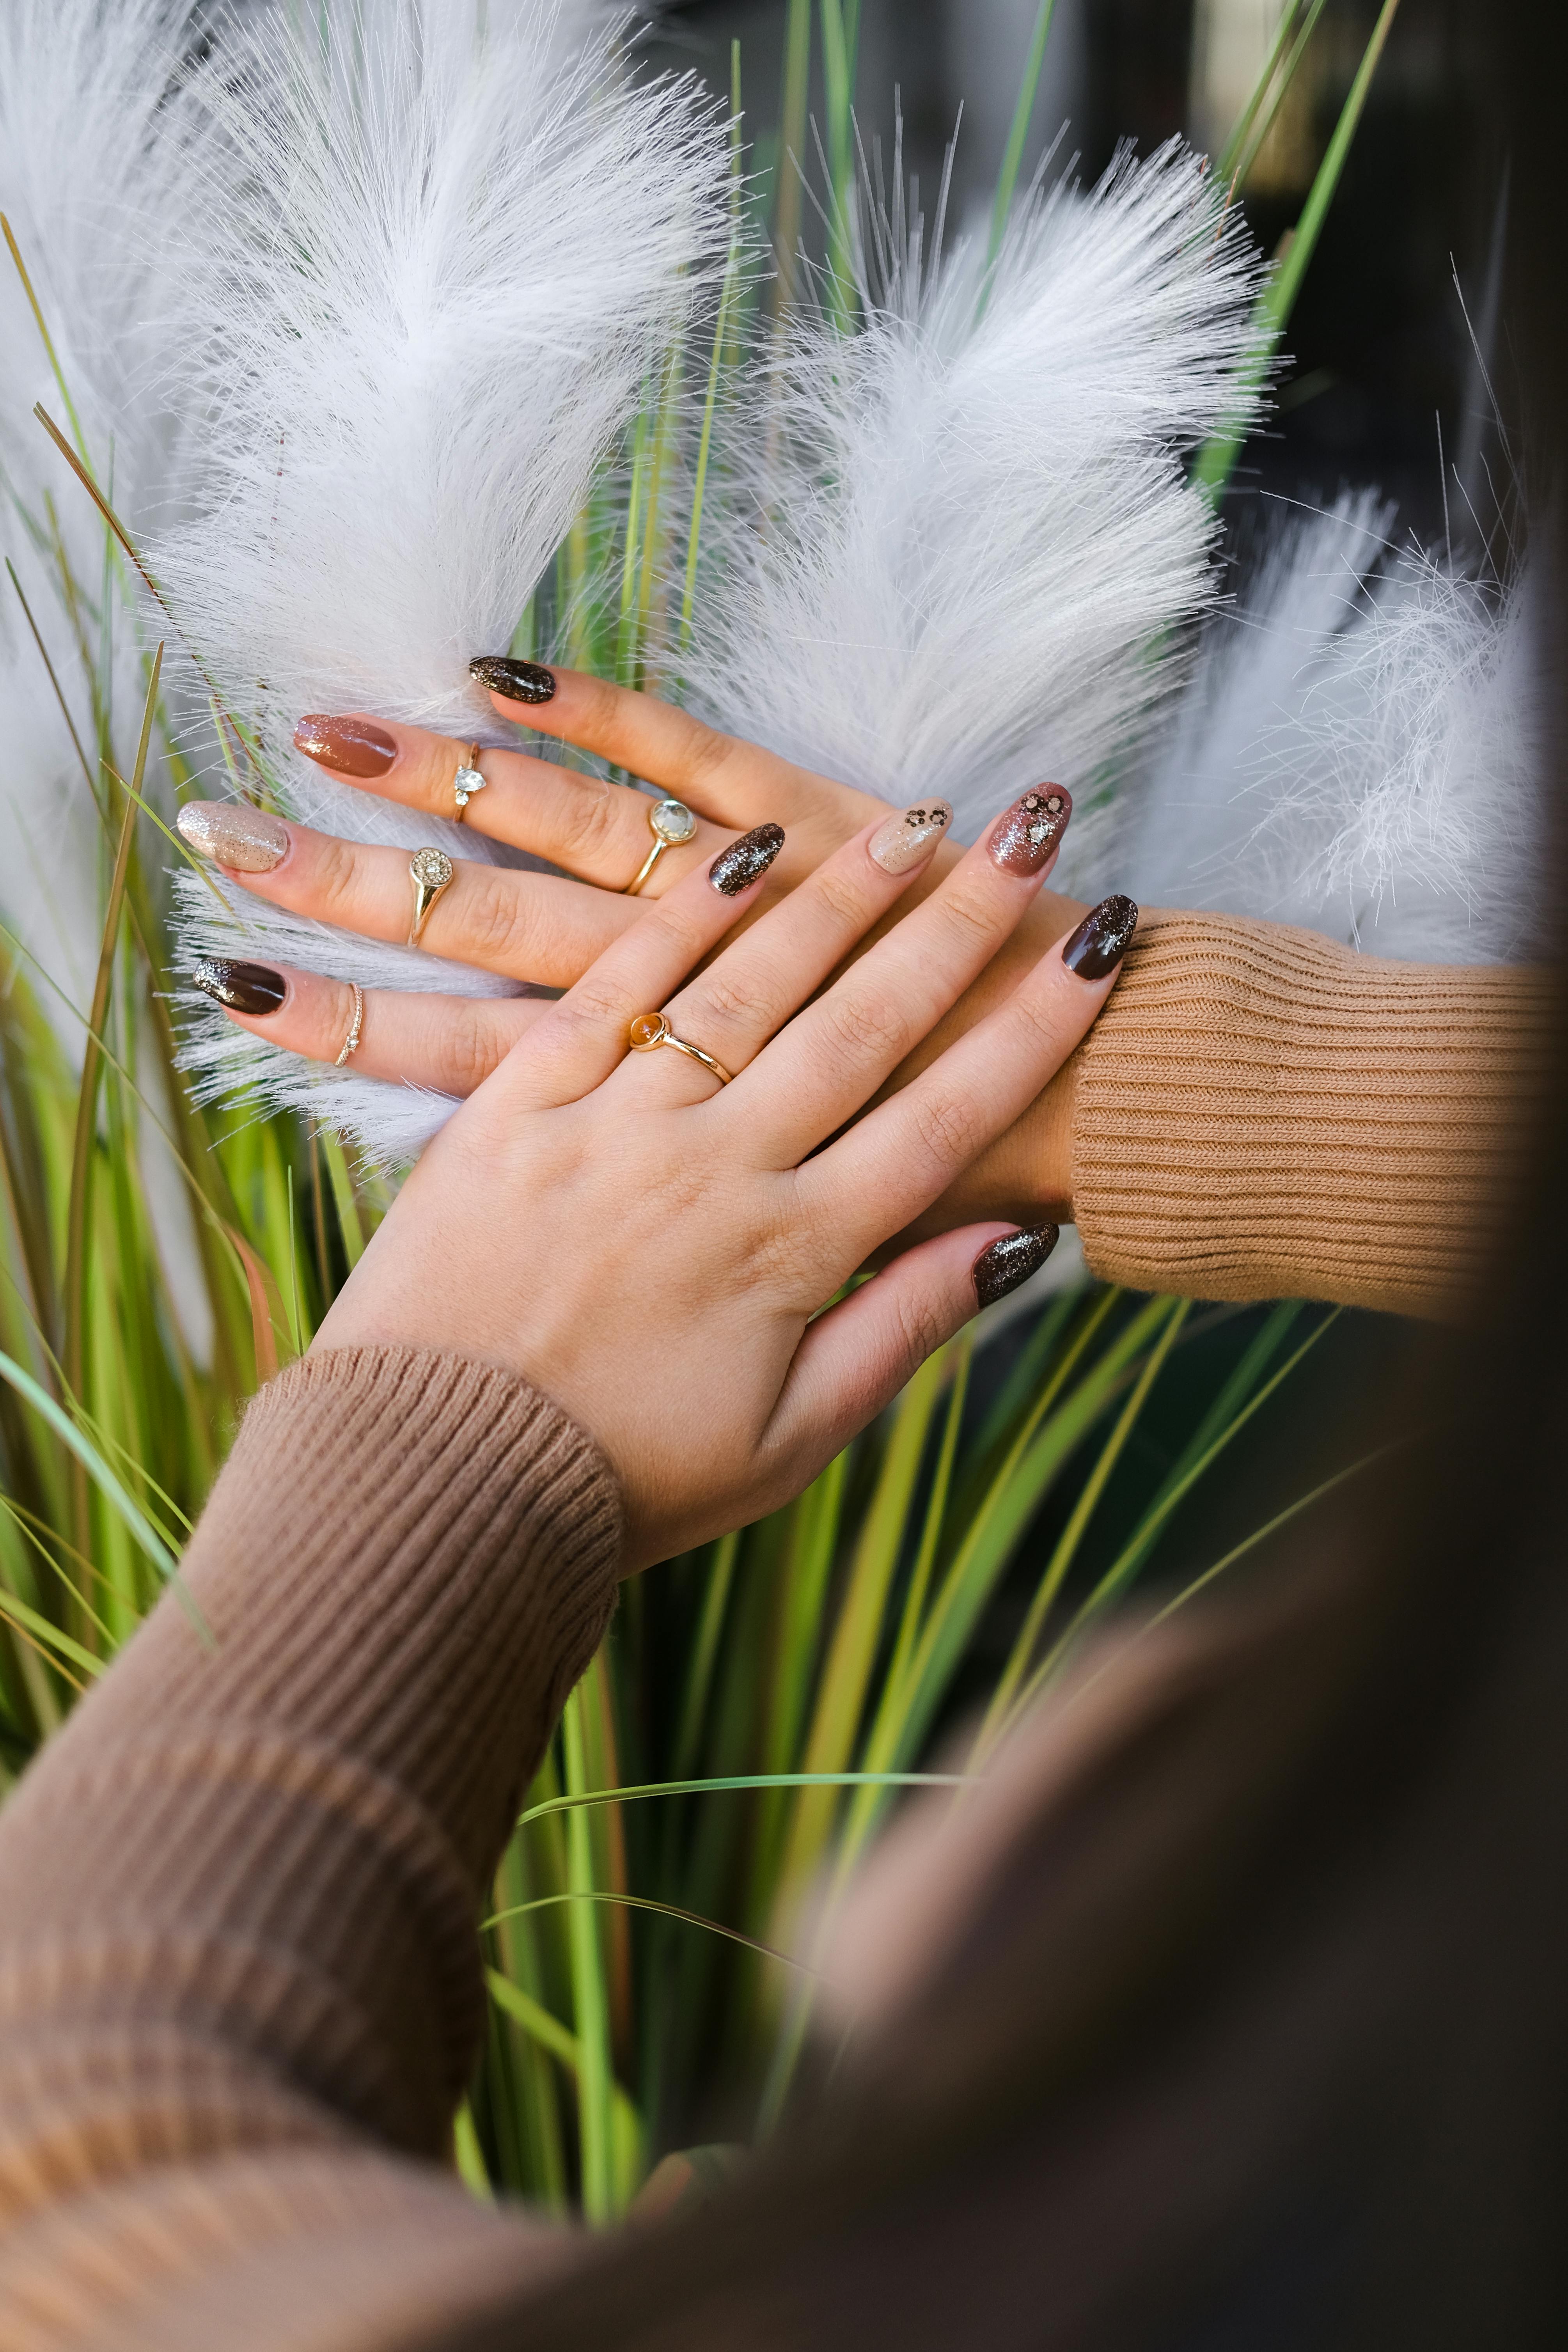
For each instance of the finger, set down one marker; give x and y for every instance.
(904, 1154)
(447, 1044)
(529, 927)
(596, 830)
(583, 1034)
(749, 992)
(721, 777)
(834, 1056)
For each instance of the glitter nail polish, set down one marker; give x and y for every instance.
(1102, 938)
(1024, 836)
(735, 868)
(354, 747)
(231, 833)
(1011, 1261)
(518, 681)
(901, 843)
(252, 988)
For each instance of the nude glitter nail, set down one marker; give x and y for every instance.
(231, 833)
(901, 843)
(1025, 837)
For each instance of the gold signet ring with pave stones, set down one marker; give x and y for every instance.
(650, 1031)
(430, 871)
(468, 780)
(351, 1043)
(670, 823)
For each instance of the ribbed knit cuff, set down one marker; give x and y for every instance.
(1261, 1113)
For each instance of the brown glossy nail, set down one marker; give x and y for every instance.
(736, 868)
(519, 681)
(901, 843)
(243, 987)
(1024, 837)
(354, 747)
(231, 833)
(1012, 1260)
(1102, 938)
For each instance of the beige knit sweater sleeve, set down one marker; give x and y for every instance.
(1262, 1114)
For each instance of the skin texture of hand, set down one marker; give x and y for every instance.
(672, 1238)
(547, 928)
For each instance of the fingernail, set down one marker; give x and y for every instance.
(231, 833)
(1102, 938)
(520, 681)
(355, 747)
(1012, 1260)
(901, 843)
(735, 867)
(243, 987)
(1023, 838)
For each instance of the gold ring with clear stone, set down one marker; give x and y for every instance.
(431, 872)
(650, 1031)
(468, 780)
(670, 824)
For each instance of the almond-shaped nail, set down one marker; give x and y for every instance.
(253, 988)
(736, 868)
(518, 681)
(354, 747)
(901, 843)
(1012, 1260)
(1025, 835)
(1102, 938)
(231, 833)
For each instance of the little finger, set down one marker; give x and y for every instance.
(446, 1044)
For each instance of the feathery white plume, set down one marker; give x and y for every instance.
(966, 549)
(1359, 752)
(443, 256)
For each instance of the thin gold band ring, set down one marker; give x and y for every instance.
(351, 1043)
(650, 1031)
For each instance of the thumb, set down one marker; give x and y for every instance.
(854, 1360)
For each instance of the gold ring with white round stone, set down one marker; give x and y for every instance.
(670, 824)
(468, 780)
(351, 1043)
(431, 872)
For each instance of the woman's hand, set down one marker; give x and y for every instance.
(649, 1246)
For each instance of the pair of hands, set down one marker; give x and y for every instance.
(648, 1247)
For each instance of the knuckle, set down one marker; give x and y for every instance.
(949, 1129)
(968, 915)
(589, 820)
(336, 878)
(841, 896)
(704, 753)
(865, 1025)
(472, 1047)
(920, 1327)
(751, 1002)
(489, 922)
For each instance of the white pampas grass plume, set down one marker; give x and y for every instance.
(967, 549)
(444, 255)
(1359, 752)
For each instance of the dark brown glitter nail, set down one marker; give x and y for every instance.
(1102, 938)
(735, 868)
(252, 988)
(1026, 837)
(519, 681)
(1012, 1260)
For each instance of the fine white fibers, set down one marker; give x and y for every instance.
(964, 548)
(445, 251)
(1358, 752)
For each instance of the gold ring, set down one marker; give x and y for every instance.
(351, 1043)
(468, 780)
(430, 871)
(670, 823)
(651, 1030)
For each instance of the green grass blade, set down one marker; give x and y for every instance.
(590, 1988)
(1013, 157)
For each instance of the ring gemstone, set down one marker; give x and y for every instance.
(467, 782)
(431, 868)
(673, 821)
(646, 1032)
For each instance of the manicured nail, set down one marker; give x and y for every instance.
(243, 987)
(1023, 838)
(1102, 938)
(1012, 1260)
(231, 833)
(735, 867)
(354, 747)
(519, 681)
(901, 843)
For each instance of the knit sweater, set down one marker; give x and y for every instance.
(239, 1983)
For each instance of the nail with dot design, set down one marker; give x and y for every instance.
(354, 747)
(516, 681)
(1026, 834)
(736, 868)
(901, 843)
(253, 988)
(231, 833)
(1102, 938)
(1012, 1260)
